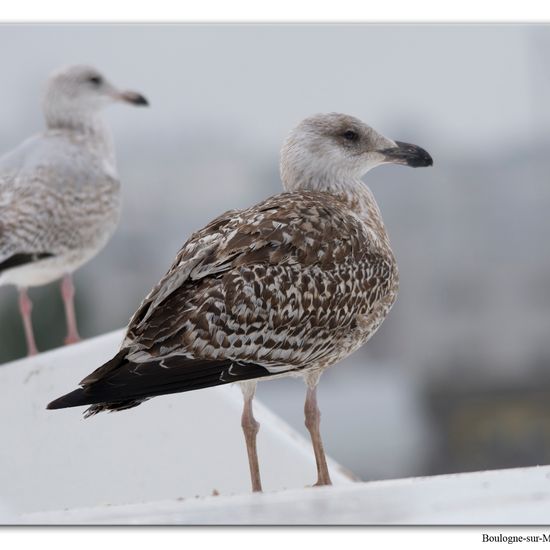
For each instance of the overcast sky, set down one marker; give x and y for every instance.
(465, 86)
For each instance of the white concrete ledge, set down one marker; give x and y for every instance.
(170, 447)
(159, 464)
(517, 496)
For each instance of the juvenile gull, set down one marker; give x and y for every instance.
(287, 287)
(59, 191)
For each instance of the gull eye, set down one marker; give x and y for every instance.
(95, 80)
(351, 136)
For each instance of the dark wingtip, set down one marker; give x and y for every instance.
(74, 399)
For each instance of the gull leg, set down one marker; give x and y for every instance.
(67, 292)
(250, 428)
(312, 421)
(25, 307)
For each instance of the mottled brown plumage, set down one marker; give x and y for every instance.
(273, 285)
(287, 287)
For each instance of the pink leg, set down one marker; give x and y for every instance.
(67, 292)
(25, 307)
(313, 420)
(250, 428)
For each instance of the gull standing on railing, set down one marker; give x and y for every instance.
(287, 287)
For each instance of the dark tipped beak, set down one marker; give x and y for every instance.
(408, 154)
(133, 98)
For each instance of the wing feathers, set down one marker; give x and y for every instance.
(271, 284)
(17, 260)
(120, 381)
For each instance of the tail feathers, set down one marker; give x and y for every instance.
(120, 384)
(112, 407)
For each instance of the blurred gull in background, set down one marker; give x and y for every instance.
(59, 191)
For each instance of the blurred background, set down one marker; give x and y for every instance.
(458, 376)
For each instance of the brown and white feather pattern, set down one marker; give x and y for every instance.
(289, 286)
(297, 281)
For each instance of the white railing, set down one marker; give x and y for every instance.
(162, 461)
(171, 447)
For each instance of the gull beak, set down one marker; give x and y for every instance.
(132, 97)
(407, 154)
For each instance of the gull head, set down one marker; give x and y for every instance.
(79, 92)
(331, 149)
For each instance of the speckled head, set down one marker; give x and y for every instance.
(334, 148)
(76, 93)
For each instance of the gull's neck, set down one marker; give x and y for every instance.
(359, 198)
(84, 125)
(354, 193)
(64, 117)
